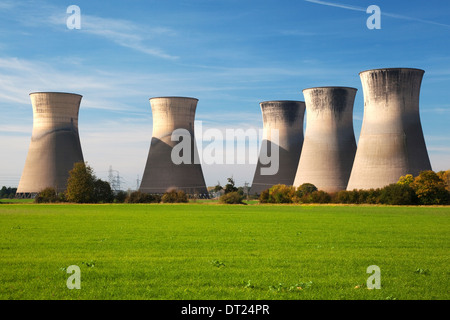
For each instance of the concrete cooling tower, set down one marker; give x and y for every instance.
(55, 144)
(287, 118)
(391, 143)
(161, 174)
(329, 147)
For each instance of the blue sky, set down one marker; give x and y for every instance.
(229, 54)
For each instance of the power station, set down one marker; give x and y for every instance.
(286, 117)
(391, 143)
(55, 144)
(329, 147)
(173, 122)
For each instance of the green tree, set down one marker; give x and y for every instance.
(305, 189)
(3, 192)
(102, 191)
(120, 197)
(218, 187)
(7, 192)
(430, 188)
(48, 195)
(406, 180)
(445, 176)
(81, 184)
(230, 186)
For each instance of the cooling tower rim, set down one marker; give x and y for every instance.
(272, 101)
(389, 69)
(56, 92)
(173, 97)
(330, 87)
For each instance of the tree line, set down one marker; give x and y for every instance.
(7, 192)
(428, 188)
(84, 187)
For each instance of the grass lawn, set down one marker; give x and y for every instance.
(5, 200)
(212, 251)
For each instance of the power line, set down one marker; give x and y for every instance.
(114, 179)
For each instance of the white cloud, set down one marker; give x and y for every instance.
(383, 13)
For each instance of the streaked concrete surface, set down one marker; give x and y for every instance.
(55, 144)
(391, 143)
(329, 147)
(286, 117)
(161, 174)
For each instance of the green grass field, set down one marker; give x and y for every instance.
(211, 251)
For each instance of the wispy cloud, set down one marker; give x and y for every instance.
(122, 32)
(22, 76)
(331, 4)
(127, 34)
(387, 14)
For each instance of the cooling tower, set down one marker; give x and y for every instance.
(287, 118)
(329, 147)
(161, 174)
(55, 144)
(391, 143)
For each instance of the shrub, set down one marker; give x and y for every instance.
(318, 196)
(120, 197)
(357, 196)
(232, 198)
(48, 195)
(397, 194)
(281, 193)
(341, 197)
(373, 196)
(174, 196)
(140, 197)
(264, 196)
(353, 196)
(62, 197)
(305, 189)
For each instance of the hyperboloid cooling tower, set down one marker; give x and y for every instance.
(55, 144)
(329, 147)
(391, 143)
(287, 118)
(161, 173)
